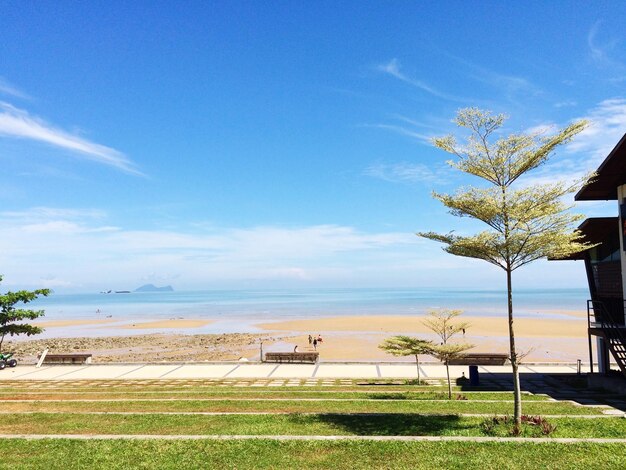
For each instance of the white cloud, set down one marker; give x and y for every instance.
(82, 257)
(393, 68)
(39, 213)
(608, 125)
(588, 149)
(83, 251)
(565, 104)
(511, 86)
(423, 138)
(17, 123)
(541, 129)
(7, 88)
(405, 172)
(600, 53)
(52, 282)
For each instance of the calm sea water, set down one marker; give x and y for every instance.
(262, 305)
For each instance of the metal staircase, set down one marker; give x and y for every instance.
(600, 318)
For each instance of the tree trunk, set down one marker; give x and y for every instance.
(449, 386)
(417, 361)
(517, 394)
(1, 340)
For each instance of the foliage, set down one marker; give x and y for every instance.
(407, 346)
(535, 426)
(525, 223)
(11, 318)
(443, 322)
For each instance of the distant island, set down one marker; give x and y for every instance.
(153, 288)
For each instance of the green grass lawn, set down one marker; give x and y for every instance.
(415, 393)
(259, 453)
(289, 424)
(267, 405)
(340, 409)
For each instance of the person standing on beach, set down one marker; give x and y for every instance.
(310, 339)
(315, 344)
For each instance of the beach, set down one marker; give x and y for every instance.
(345, 338)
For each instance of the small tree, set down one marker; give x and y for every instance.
(408, 346)
(525, 224)
(11, 318)
(443, 323)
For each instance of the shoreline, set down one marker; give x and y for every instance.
(346, 338)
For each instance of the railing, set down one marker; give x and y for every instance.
(604, 319)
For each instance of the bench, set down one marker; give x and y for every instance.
(480, 359)
(473, 360)
(71, 358)
(292, 357)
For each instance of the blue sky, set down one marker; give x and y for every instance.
(278, 144)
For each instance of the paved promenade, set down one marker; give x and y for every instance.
(324, 370)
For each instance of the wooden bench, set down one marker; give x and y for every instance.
(473, 360)
(70, 358)
(292, 357)
(480, 359)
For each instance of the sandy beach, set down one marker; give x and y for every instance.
(349, 338)
(481, 326)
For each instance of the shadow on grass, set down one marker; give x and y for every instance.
(394, 424)
(407, 396)
(387, 396)
(558, 386)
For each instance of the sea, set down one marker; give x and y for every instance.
(239, 310)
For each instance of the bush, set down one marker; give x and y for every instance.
(532, 426)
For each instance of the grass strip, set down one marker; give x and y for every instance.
(262, 393)
(294, 424)
(128, 386)
(258, 454)
(304, 406)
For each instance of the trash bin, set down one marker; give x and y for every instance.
(473, 371)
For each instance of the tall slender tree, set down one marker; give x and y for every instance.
(525, 223)
(12, 318)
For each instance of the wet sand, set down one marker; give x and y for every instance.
(148, 348)
(72, 323)
(179, 323)
(349, 338)
(479, 326)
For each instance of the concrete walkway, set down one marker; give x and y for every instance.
(325, 370)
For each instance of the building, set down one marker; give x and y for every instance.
(606, 263)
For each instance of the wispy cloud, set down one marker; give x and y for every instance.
(589, 148)
(565, 104)
(511, 86)
(421, 131)
(603, 53)
(47, 213)
(392, 68)
(74, 252)
(403, 130)
(608, 125)
(18, 123)
(36, 245)
(7, 88)
(406, 172)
